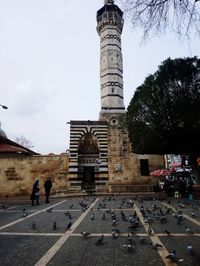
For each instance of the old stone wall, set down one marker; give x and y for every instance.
(124, 166)
(17, 174)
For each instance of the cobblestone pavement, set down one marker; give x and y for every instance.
(28, 235)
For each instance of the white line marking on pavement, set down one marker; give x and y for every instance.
(154, 238)
(184, 215)
(30, 215)
(139, 234)
(53, 250)
(7, 209)
(30, 234)
(93, 234)
(28, 210)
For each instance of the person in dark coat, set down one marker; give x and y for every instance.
(35, 195)
(47, 187)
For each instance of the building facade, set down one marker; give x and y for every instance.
(100, 155)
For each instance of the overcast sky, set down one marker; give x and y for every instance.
(49, 67)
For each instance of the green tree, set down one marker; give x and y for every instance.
(156, 16)
(164, 114)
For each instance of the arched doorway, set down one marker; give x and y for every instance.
(88, 153)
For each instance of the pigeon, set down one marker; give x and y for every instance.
(141, 240)
(188, 230)
(54, 226)
(167, 232)
(34, 225)
(92, 217)
(179, 219)
(150, 212)
(156, 245)
(172, 257)
(190, 250)
(168, 210)
(128, 246)
(50, 210)
(113, 233)
(85, 234)
(129, 240)
(148, 220)
(181, 205)
(99, 241)
(163, 220)
(150, 230)
(69, 225)
(122, 214)
(113, 222)
(193, 214)
(68, 213)
(24, 214)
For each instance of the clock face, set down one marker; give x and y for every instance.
(114, 122)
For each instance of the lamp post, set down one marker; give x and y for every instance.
(3, 106)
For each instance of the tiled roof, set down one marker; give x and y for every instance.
(8, 146)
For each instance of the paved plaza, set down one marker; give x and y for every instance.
(38, 235)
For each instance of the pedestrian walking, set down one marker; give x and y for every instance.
(47, 187)
(35, 195)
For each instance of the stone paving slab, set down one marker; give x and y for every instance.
(98, 225)
(179, 244)
(79, 251)
(44, 223)
(23, 250)
(21, 245)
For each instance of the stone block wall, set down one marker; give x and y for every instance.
(18, 173)
(124, 166)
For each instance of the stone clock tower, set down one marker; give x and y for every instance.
(109, 27)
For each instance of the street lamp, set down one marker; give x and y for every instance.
(3, 106)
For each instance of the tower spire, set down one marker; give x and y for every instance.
(109, 27)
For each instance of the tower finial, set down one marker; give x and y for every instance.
(107, 2)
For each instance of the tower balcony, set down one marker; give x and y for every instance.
(109, 15)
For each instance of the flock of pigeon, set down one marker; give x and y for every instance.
(149, 216)
(144, 215)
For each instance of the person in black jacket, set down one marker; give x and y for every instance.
(35, 195)
(47, 187)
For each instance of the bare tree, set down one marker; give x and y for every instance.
(24, 142)
(158, 16)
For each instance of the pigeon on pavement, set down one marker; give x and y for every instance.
(172, 257)
(128, 246)
(99, 241)
(156, 245)
(150, 230)
(85, 234)
(92, 217)
(68, 213)
(141, 240)
(167, 232)
(69, 225)
(188, 230)
(54, 226)
(190, 250)
(50, 210)
(34, 226)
